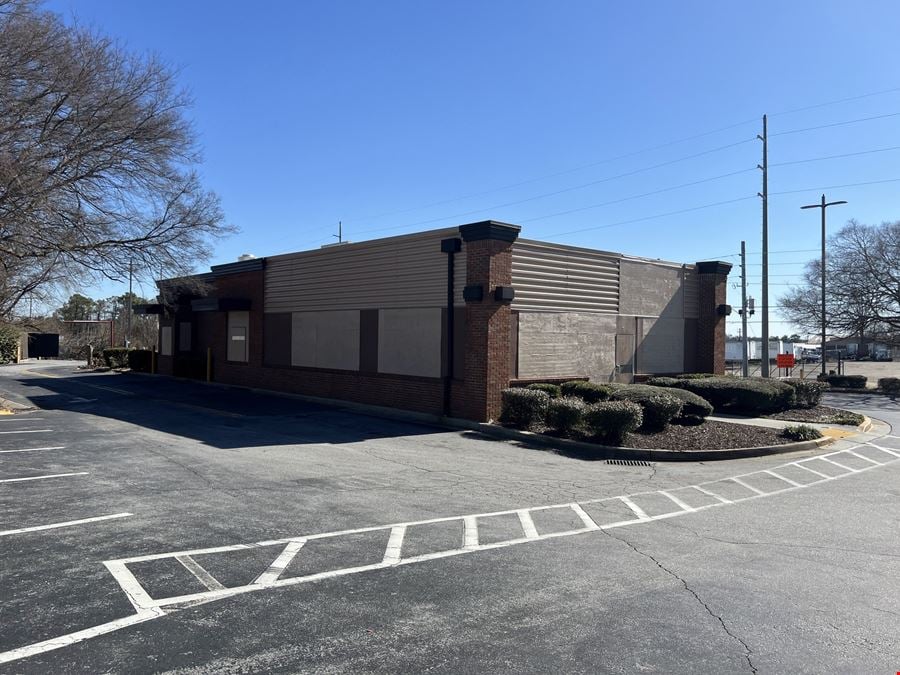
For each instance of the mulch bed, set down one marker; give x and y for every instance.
(706, 436)
(821, 414)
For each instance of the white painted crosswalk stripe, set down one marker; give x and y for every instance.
(201, 574)
(838, 464)
(638, 511)
(470, 536)
(747, 485)
(684, 505)
(68, 523)
(527, 524)
(281, 562)
(395, 545)
(782, 478)
(803, 466)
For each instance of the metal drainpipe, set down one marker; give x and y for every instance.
(450, 247)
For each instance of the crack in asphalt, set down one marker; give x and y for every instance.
(748, 652)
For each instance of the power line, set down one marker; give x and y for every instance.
(834, 187)
(848, 154)
(835, 102)
(836, 124)
(638, 220)
(606, 179)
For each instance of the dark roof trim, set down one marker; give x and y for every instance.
(220, 305)
(148, 309)
(253, 265)
(489, 229)
(714, 267)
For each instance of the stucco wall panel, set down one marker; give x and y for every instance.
(325, 339)
(650, 289)
(661, 346)
(559, 344)
(409, 342)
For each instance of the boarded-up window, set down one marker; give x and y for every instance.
(238, 336)
(325, 339)
(165, 341)
(409, 342)
(184, 336)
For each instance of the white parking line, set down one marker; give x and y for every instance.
(52, 447)
(28, 431)
(638, 511)
(803, 466)
(79, 636)
(281, 562)
(68, 523)
(199, 573)
(838, 464)
(684, 505)
(780, 477)
(748, 486)
(395, 545)
(890, 452)
(862, 457)
(49, 475)
(144, 603)
(21, 418)
(527, 524)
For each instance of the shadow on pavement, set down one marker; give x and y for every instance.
(222, 417)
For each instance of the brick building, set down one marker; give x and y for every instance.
(441, 321)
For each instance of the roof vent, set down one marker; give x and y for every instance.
(246, 256)
(337, 243)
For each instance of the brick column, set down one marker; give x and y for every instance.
(488, 265)
(713, 278)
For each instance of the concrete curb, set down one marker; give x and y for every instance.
(866, 424)
(8, 407)
(613, 452)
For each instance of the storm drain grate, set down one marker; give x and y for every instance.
(629, 462)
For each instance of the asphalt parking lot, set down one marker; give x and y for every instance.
(150, 525)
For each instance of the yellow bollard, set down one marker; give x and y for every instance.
(209, 364)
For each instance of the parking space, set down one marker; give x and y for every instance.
(133, 508)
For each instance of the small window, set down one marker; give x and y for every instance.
(165, 341)
(238, 336)
(184, 336)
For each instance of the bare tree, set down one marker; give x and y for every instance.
(97, 161)
(862, 284)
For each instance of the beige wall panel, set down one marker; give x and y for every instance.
(661, 346)
(651, 289)
(553, 277)
(561, 344)
(409, 342)
(405, 271)
(325, 339)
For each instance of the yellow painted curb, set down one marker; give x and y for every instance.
(837, 433)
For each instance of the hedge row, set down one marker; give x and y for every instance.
(138, 360)
(603, 421)
(845, 381)
(732, 394)
(889, 385)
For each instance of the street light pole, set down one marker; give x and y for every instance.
(823, 205)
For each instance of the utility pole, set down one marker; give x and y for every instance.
(339, 235)
(823, 205)
(745, 365)
(764, 363)
(130, 306)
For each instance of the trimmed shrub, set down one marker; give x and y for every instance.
(524, 408)
(115, 357)
(807, 393)
(747, 395)
(589, 392)
(139, 360)
(9, 344)
(565, 415)
(663, 381)
(694, 407)
(696, 376)
(801, 432)
(553, 390)
(845, 381)
(659, 407)
(889, 385)
(609, 421)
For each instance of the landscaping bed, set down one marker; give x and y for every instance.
(821, 414)
(710, 435)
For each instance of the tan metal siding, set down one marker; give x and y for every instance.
(552, 277)
(691, 293)
(404, 271)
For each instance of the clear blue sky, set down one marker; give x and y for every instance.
(390, 116)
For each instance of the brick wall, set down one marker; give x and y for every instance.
(710, 337)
